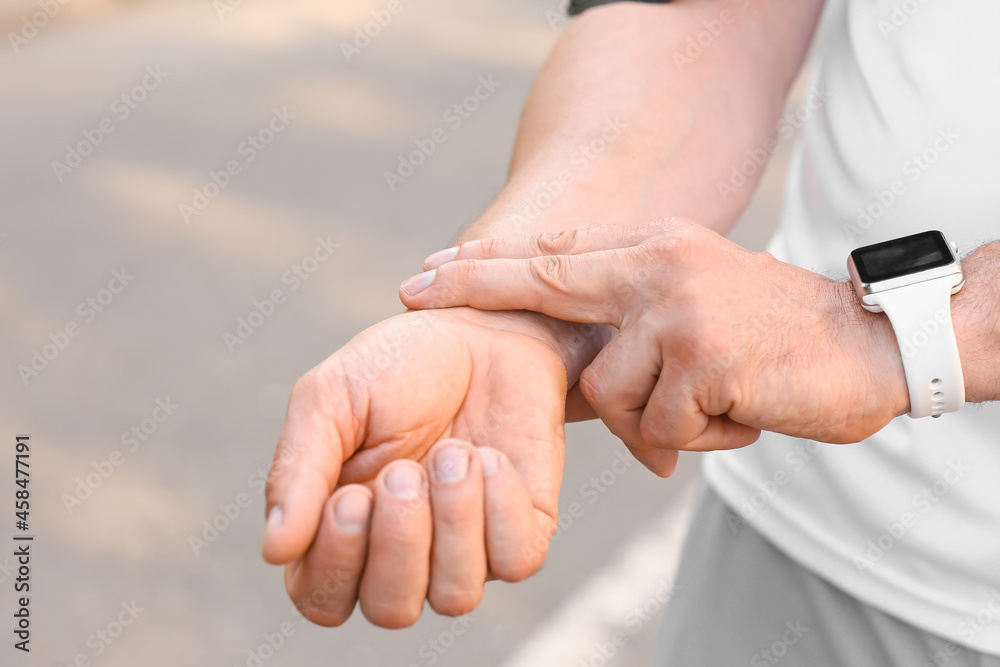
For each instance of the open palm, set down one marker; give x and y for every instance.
(402, 390)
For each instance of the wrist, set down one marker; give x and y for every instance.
(872, 345)
(576, 344)
(976, 316)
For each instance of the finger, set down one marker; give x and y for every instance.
(593, 287)
(722, 432)
(674, 419)
(517, 534)
(324, 583)
(305, 469)
(394, 583)
(661, 462)
(567, 242)
(577, 407)
(458, 555)
(619, 381)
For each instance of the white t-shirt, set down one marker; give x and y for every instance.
(906, 139)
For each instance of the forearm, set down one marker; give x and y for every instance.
(976, 315)
(617, 129)
(975, 312)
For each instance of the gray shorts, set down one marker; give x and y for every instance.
(740, 601)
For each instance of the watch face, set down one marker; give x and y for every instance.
(902, 257)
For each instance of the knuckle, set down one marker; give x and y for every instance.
(551, 271)
(592, 387)
(654, 435)
(704, 446)
(323, 617)
(660, 226)
(518, 566)
(459, 272)
(671, 249)
(700, 347)
(556, 243)
(491, 247)
(454, 601)
(393, 615)
(454, 515)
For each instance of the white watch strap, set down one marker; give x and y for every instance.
(921, 317)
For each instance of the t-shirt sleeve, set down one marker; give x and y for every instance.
(579, 6)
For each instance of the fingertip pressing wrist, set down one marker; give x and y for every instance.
(576, 343)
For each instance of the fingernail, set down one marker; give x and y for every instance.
(353, 512)
(274, 518)
(491, 463)
(404, 481)
(451, 464)
(418, 283)
(440, 257)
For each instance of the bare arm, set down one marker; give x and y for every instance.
(638, 128)
(616, 130)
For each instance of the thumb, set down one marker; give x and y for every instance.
(305, 469)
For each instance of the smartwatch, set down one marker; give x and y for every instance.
(911, 280)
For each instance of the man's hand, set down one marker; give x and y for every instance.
(715, 342)
(444, 434)
(607, 67)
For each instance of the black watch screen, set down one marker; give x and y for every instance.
(901, 257)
